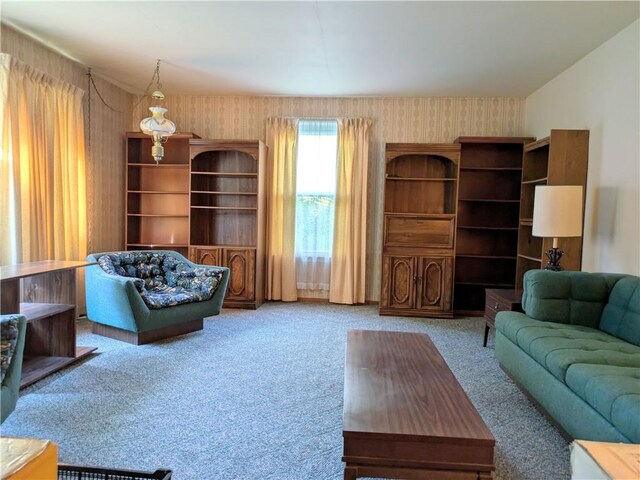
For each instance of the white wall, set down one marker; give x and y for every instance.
(601, 93)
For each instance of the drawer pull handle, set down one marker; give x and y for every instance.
(496, 306)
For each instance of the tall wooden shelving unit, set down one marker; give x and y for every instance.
(488, 214)
(205, 200)
(559, 159)
(228, 208)
(157, 203)
(420, 203)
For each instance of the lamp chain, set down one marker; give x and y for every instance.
(158, 83)
(156, 77)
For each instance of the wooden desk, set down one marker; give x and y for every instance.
(44, 292)
(406, 415)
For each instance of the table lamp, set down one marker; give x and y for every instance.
(557, 212)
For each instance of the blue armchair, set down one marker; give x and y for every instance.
(146, 295)
(12, 333)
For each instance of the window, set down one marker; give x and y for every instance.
(315, 202)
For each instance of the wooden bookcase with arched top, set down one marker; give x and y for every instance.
(419, 226)
(227, 214)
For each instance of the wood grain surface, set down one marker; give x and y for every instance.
(404, 408)
(398, 384)
(8, 272)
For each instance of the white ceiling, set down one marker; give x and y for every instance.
(327, 48)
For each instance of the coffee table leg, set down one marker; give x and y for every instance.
(350, 473)
(486, 334)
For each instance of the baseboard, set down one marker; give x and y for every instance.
(326, 300)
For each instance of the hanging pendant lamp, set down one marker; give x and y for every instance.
(157, 126)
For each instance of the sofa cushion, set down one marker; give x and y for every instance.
(165, 296)
(557, 346)
(621, 316)
(8, 339)
(577, 298)
(613, 391)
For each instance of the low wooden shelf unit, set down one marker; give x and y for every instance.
(45, 293)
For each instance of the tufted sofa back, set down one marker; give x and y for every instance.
(621, 315)
(577, 298)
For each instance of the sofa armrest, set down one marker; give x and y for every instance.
(576, 298)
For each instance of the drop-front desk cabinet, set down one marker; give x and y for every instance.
(420, 200)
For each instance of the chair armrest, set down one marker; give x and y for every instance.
(111, 296)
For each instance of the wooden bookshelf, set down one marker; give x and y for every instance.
(157, 200)
(227, 203)
(488, 214)
(559, 159)
(420, 203)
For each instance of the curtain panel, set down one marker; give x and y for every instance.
(281, 138)
(348, 259)
(42, 166)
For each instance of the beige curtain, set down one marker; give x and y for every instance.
(281, 136)
(348, 259)
(42, 167)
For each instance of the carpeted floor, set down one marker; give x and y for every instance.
(258, 395)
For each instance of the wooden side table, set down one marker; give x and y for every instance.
(499, 300)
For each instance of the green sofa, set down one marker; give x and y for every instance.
(576, 351)
(141, 296)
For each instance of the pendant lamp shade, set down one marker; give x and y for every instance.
(157, 125)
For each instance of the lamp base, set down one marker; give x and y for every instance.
(554, 255)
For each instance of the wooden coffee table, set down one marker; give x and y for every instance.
(406, 415)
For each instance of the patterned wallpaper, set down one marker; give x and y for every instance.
(105, 165)
(395, 119)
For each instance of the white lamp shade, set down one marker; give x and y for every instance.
(557, 211)
(157, 124)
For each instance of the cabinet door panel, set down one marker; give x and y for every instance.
(398, 282)
(241, 264)
(434, 283)
(206, 256)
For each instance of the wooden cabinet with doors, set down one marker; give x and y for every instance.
(417, 283)
(241, 264)
(228, 214)
(559, 159)
(420, 205)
